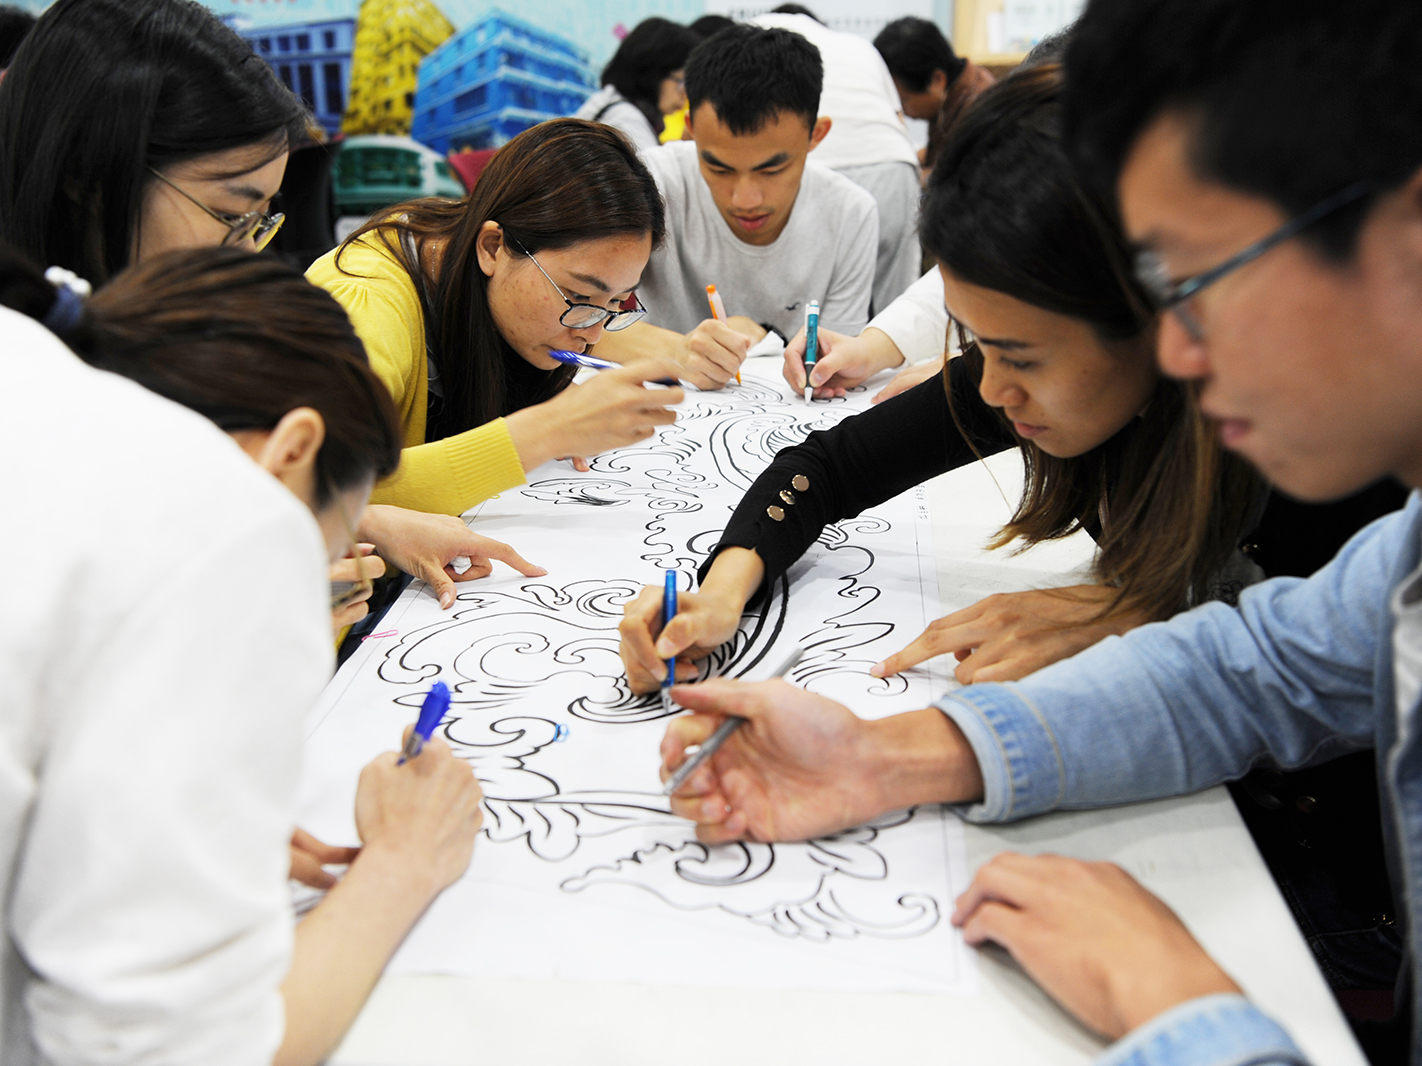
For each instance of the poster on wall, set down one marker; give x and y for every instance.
(405, 84)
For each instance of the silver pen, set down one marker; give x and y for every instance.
(723, 731)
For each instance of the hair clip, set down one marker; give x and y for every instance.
(70, 292)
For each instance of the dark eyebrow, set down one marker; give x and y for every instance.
(247, 192)
(1006, 345)
(777, 160)
(600, 285)
(711, 160)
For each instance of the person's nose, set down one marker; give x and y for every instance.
(747, 194)
(998, 389)
(589, 335)
(1181, 355)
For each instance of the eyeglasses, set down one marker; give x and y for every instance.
(256, 226)
(585, 316)
(344, 593)
(1155, 278)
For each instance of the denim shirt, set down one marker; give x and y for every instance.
(1299, 672)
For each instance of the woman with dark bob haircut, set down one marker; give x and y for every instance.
(643, 81)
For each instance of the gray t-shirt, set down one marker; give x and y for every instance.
(825, 252)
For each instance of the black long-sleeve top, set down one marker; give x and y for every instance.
(860, 463)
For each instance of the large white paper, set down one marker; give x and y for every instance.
(582, 872)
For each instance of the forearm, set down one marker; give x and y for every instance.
(452, 475)
(919, 758)
(341, 949)
(537, 436)
(735, 575)
(880, 350)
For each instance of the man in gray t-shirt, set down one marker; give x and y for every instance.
(748, 213)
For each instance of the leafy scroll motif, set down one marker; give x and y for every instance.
(796, 890)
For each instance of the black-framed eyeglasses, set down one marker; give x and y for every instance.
(1155, 279)
(585, 316)
(257, 226)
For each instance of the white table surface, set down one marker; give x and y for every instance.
(1194, 852)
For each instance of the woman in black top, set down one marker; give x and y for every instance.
(1060, 364)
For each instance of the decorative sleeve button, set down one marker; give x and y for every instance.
(800, 483)
(787, 497)
(777, 513)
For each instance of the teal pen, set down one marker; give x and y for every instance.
(812, 343)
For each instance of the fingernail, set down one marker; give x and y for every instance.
(446, 599)
(877, 670)
(538, 571)
(660, 673)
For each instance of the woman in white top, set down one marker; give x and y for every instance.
(163, 643)
(643, 81)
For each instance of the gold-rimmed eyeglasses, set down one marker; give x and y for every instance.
(257, 226)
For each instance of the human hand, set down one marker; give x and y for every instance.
(1013, 634)
(908, 377)
(704, 621)
(344, 570)
(842, 362)
(712, 354)
(425, 545)
(423, 815)
(309, 855)
(789, 773)
(803, 766)
(610, 410)
(1093, 938)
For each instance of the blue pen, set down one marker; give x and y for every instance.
(592, 362)
(668, 613)
(431, 714)
(812, 343)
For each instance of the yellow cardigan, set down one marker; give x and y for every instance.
(447, 476)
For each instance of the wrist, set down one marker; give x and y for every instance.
(734, 577)
(404, 876)
(882, 349)
(920, 758)
(532, 433)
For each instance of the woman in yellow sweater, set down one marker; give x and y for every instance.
(459, 304)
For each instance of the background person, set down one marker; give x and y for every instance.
(935, 84)
(867, 143)
(644, 80)
(749, 213)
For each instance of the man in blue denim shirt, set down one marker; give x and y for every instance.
(1267, 159)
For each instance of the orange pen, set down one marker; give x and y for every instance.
(718, 312)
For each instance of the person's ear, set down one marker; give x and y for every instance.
(1412, 217)
(938, 83)
(487, 245)
(290, 449)
(820, 131)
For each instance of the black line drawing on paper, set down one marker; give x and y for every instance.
(733, 878)
(535, 663)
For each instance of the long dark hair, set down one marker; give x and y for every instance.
(553, 186)
(646, 56)
(100, 91)
(239, 338)
(1004, 211)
